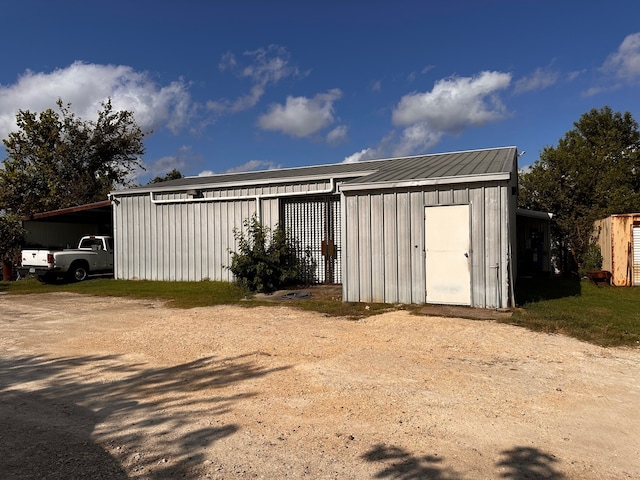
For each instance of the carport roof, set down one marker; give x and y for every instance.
(88, 213)
(464, 166)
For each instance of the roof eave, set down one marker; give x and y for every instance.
(247, 183)
(424, 182)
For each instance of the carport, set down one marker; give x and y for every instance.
(62, 228)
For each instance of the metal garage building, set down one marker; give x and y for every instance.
(436, 228)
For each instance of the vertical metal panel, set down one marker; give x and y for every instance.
(622, 249)
(351, 289)
(364, 247)
(478, 245)
(636, 256)
(403, 240)
(418, 272)
(377, 248)
(390, 247)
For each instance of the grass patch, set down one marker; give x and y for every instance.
(350, 310)
(177, 294)
(603, 315)
(607, 316)
(198, 294)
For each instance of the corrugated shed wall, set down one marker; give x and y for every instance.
(384, 252)
(183, 242)
(614, 235)
(190, 241)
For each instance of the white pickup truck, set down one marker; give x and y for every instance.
(93, 255)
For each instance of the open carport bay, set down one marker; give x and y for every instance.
(117, 388)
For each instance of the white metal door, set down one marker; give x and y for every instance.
(636, 256)
(447, 246)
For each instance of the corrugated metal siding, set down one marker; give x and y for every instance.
(178, 242)
(190, 241)
(615, 236)
(384, 250)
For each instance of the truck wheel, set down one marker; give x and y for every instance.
(46, 278)
(78, 272)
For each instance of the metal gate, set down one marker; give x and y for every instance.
(314, 222)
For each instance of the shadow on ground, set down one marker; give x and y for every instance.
(56, 414)
(517, 464)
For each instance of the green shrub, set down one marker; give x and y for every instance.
(592, 259)
(266, 260)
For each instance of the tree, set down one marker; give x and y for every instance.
(593, 172)
(56, 160)
(172, 175)
(11, 236)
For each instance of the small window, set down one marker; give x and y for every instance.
(91, 243)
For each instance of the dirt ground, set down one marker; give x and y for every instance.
(114, 388)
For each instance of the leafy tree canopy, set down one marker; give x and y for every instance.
(172, 175)
(56, 160)
(592, 173)
(11, 236)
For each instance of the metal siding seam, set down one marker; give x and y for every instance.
(377, 248)
(403, 239)
(365, 249)
(352, 249)
(478, 247)
(417, 240)
(391, 249)
(344, 244)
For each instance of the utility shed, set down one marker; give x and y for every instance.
(436, 228)
(619, 239)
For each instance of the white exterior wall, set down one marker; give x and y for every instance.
(190, 241)
(384, 249)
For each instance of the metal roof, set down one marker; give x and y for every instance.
(87, 213)
(444, 165)
(464, 164)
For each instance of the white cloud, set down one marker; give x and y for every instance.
(182, 160)
(267, 66)
(625, 62)
(86, 85)
(250, 166)
(254, 165)
(301, 116)
(361, 156)
(417, 137)
(376, 86)
(538, 80)
(338, 134)
(452, 105)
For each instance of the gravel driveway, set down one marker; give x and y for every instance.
(116, 388)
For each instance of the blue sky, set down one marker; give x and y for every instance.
(252, 85)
